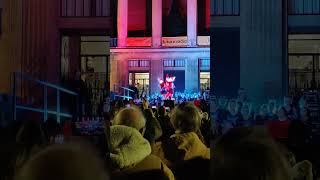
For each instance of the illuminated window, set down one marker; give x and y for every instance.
(139, 63)
(205, 63)
(133, 63)
(141, 81)
(179, 63)
(204, 81)
(168, 63)
(173, 63)
(225, 7)
(144, 63)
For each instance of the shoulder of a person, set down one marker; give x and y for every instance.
(151, 162)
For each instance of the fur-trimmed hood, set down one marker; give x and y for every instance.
(191, 145)
(127, 146)
(181, 147)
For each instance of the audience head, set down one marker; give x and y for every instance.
(246, 110)
(287, 101)
(52, 127)
(151, 127)
(272, 106)
(247, 153)
(239, 106)
(232, 105)
(223, 102)
(214, 104)
(302, 102)
(186, 118)
(242, 94)
(263, 110)
(132, 117)
(31, 134)
(282, 113)
(306, 114)
(148, 114)
(303, 171)
(119, 104)
(127, 147)
(161, 111)
(63, 162)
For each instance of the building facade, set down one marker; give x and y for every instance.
(58, 42)
(173, 46)
(268, 47)
(48, 39)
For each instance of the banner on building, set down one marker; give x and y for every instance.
(175, 41)
(203, 41)
(183, 41)
(139, 42)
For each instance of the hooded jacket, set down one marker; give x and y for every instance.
(131, 153)
(181, 147)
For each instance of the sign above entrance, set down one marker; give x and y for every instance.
(183, 41)
(139, 42)
(203, 41)
(175, 41)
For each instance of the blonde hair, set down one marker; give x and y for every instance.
(132, 117)
(186, 118)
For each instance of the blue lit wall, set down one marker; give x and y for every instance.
(225, 64)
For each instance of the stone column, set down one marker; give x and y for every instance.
(192, 22)
(192, 74)
(156, 72)
(122, 22)
(113, 71)
(262, 46)
(156, 23)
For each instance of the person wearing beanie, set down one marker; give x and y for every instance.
(131, 117)
(130, 153)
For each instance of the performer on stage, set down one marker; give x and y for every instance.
(170, 86)
(163, 90)
(167, 87)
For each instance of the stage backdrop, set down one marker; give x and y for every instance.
(180, 79)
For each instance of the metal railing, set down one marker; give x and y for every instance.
(22, 78)
(85, 8)
(304, 7)
(225, 7)
(113, 42)
(122, 90)
(166, 41)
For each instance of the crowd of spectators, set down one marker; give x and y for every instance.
(164, 142)
(230, 113)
